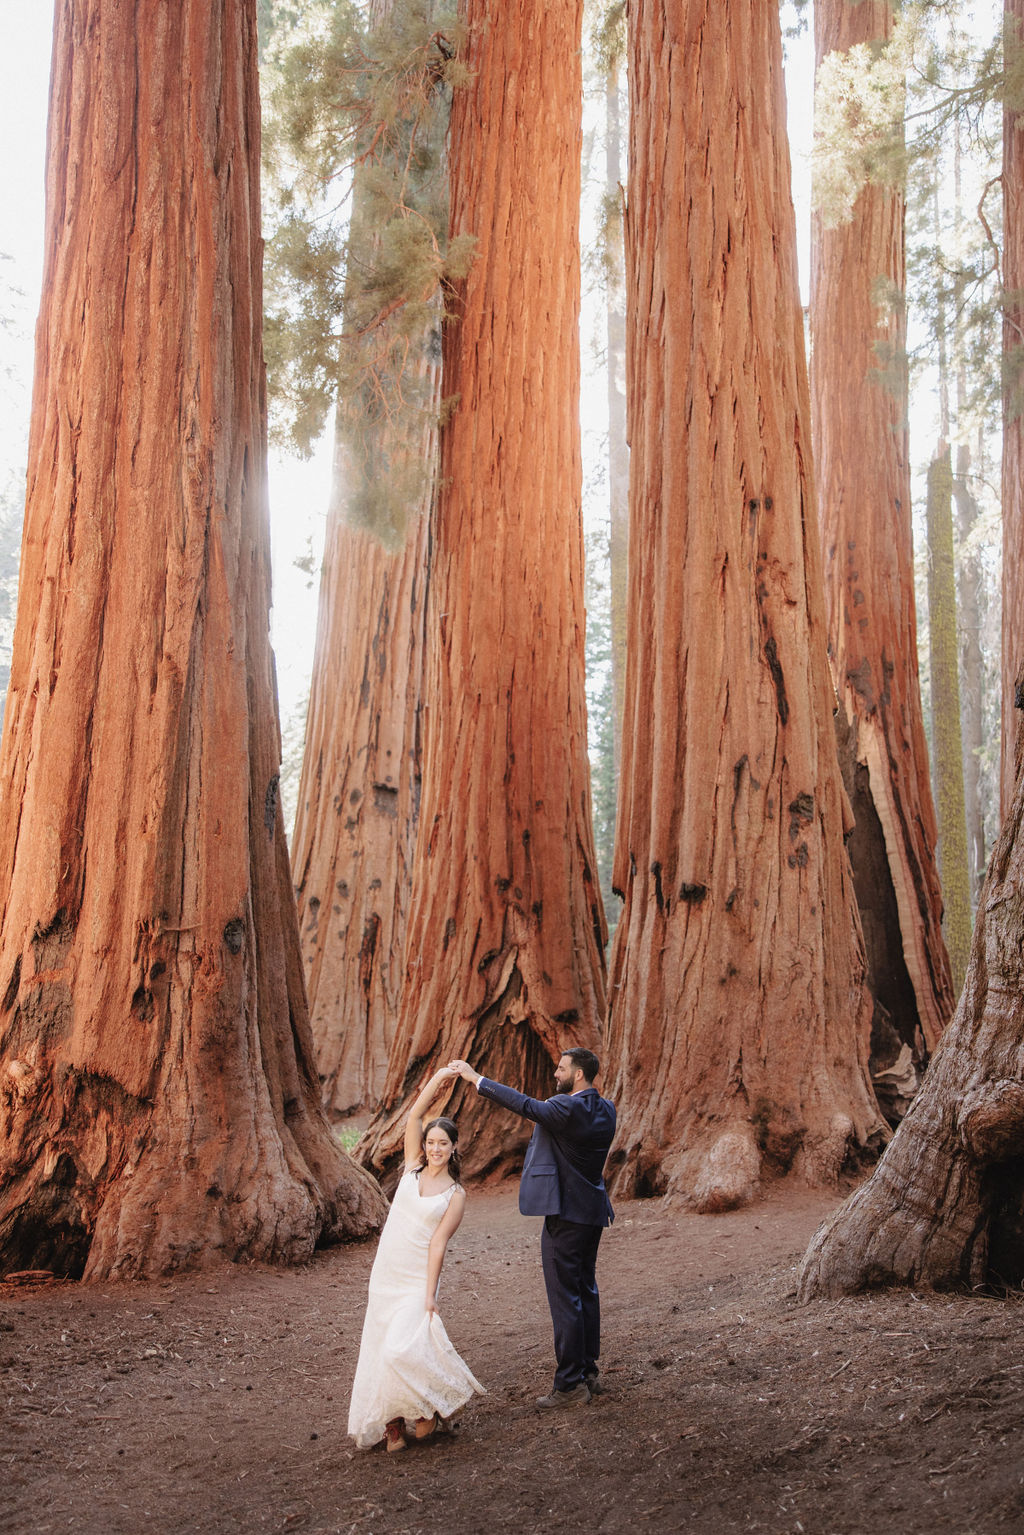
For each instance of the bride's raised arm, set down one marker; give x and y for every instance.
(430, 1090)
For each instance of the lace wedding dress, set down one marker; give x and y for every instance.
(407, 1366)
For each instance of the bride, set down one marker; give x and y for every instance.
(409, 1379)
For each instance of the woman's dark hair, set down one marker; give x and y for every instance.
(450, 1129)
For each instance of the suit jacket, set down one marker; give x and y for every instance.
(563, 1173)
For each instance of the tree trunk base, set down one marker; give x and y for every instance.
(944, 1207)
(732, 1166)
(92, 1199)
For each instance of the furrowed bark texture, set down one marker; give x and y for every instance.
(158, 1100)
(739, 1020)
(358, 798)
(863, 478)
(504, 960)
(944, 1205)
(1013, 425)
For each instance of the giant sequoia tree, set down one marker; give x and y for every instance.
(504, 962)
(944, 1205)
(859, 408)
(739, 1017)
(159, 1099)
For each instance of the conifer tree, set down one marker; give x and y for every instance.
(943, 1208)
(504, 950)
(860, 405)
(160, 1100)
(739, 1018)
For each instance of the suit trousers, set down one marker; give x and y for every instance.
(568, 1252)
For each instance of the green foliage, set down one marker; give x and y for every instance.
(880, 106)
(795, 17)
(859, 107)
(359, 258)
(607, 25)
(604, 260)
(273, 17)
(301, 325)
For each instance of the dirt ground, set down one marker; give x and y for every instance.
(218, 1403)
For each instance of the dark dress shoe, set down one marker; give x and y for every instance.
(576, 1396)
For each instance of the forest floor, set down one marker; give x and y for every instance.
(217, 1403)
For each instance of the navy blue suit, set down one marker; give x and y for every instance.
(563, 1180)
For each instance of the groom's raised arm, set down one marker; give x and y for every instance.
(552, 1113)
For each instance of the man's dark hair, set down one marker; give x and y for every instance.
(586, 1060)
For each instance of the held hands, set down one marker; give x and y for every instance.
(427, 1094)
(464, 1069)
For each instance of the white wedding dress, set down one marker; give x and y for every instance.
(407, 1366)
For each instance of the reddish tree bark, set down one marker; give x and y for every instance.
(944, 1206)
(355, 829)
(739, 1018)
(1013, 421)
(504, 948)
(158, 1100)
(862, 457)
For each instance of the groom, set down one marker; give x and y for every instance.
(563, 1181)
